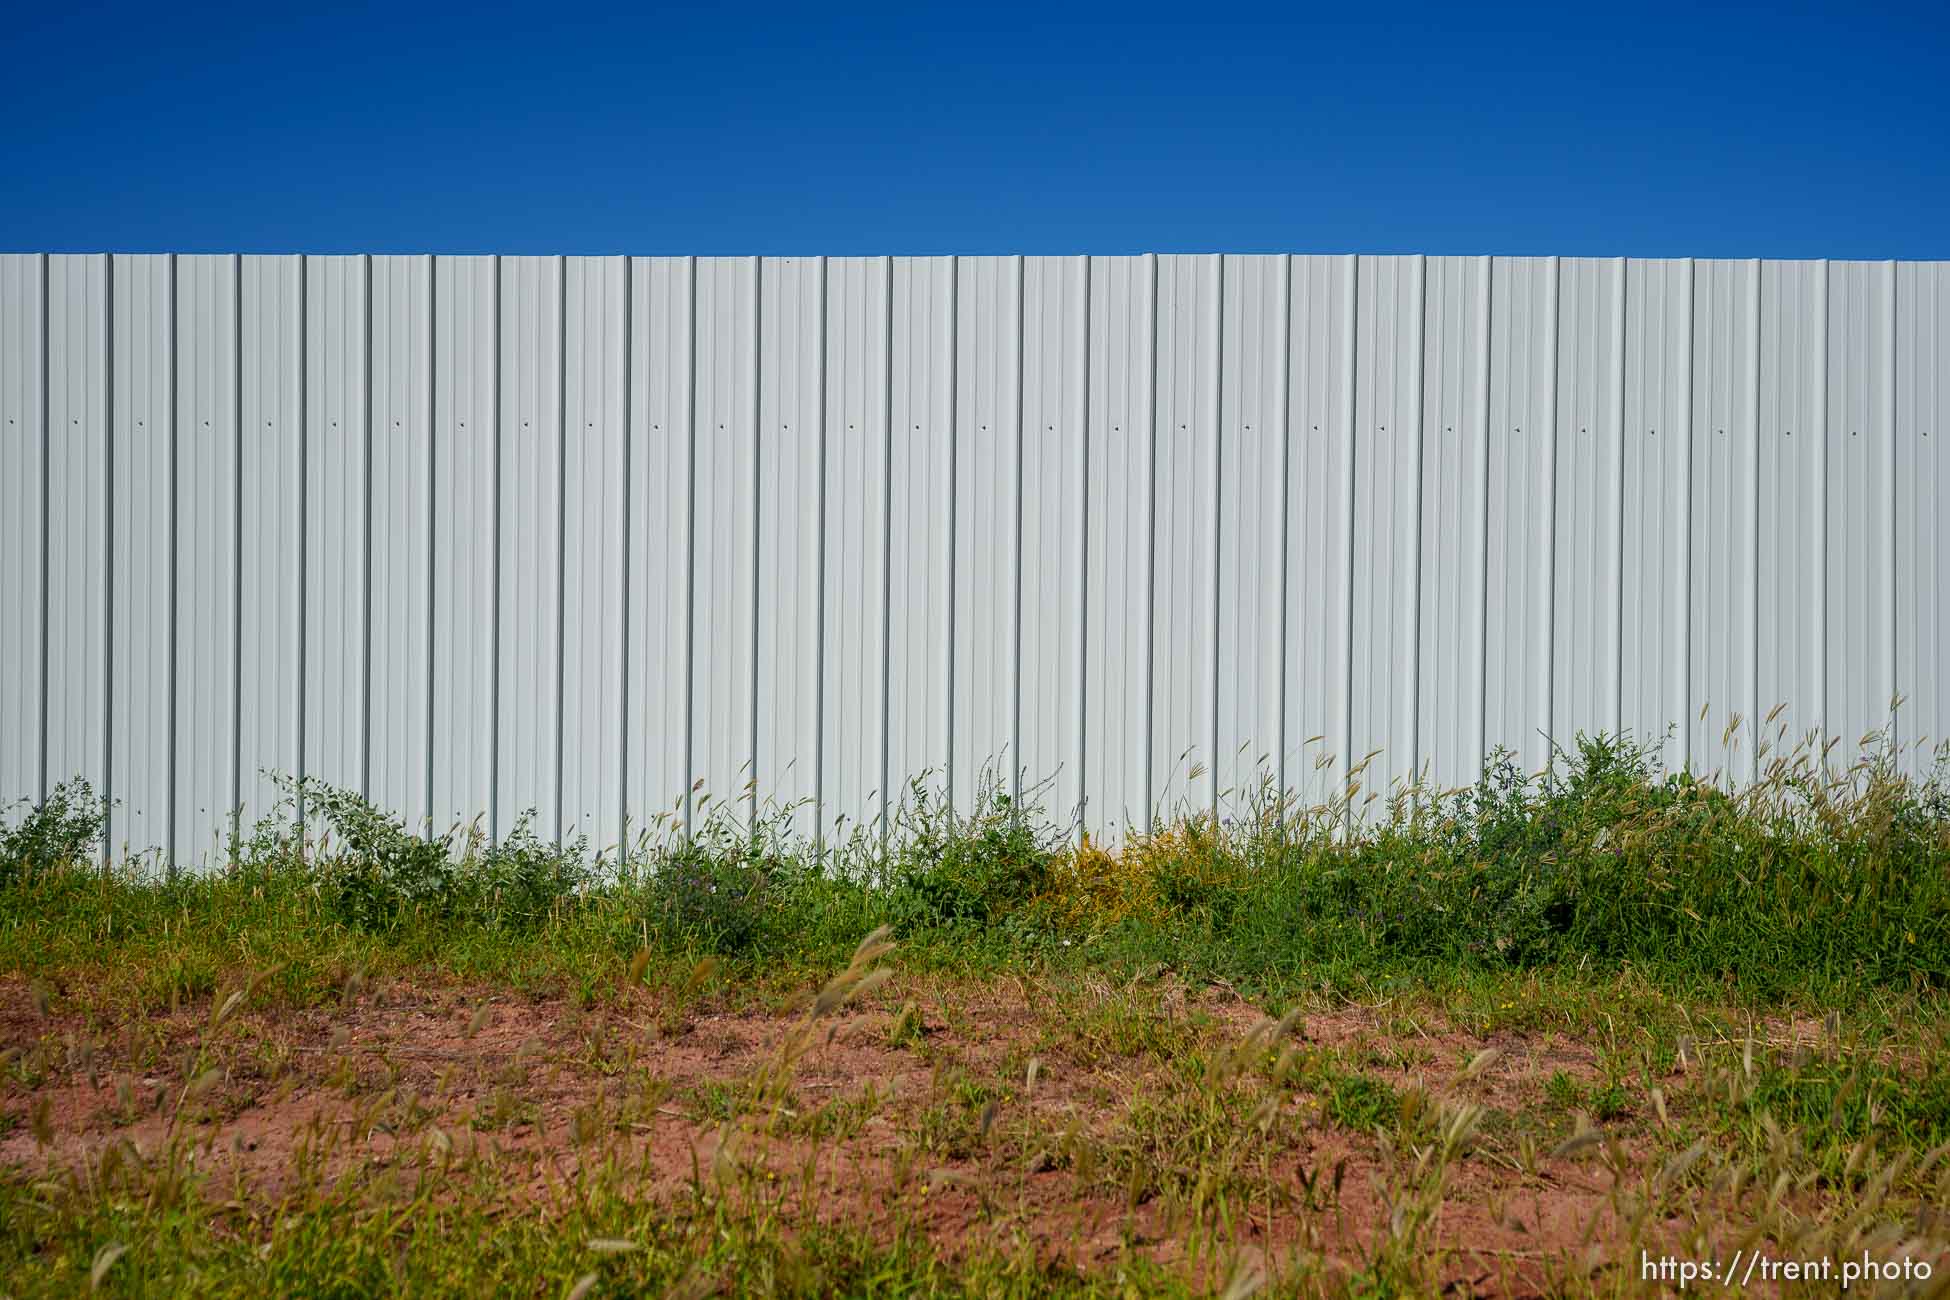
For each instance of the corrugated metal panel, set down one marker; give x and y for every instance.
(724, 484)
(1450, 621)
(1387, 451)
(988, 502)
(1574, 427)
(1793, 543)
(845, 527)
(271, 367)
(528, 603)
(1861, 492)
(24, 434)
(337, 498)
(922, 501)
(477, 535)
(402, 515)
(1656, 490)
(792, 434)
(1184, 668)
(655, 701)
(1252, 505)
(596, 504)
(466, 538)
(142, 521)
(1320, 526)
(1922, 578)
(1055, 350)
(79, 581)
(1724, 516)
(207, 486)
(1117, 515)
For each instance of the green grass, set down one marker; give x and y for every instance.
(1808, 885)
(1652, 919)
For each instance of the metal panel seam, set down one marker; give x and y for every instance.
(1350, 316)
(1620, 281)
(1286, 520)
(1821, 525)
(1754, 470)
(1412, 588)
(1683, 586)
(755, 337)
(47, 460)
(237, 550)
(433, 497)
(1547, 559)
(1016, 507)
(627, 532)
(690, 547)
(886, 544)
(1151, 557)
(1890, 660)
(1213, 532)
(1083, 562)
(950, 513)
(561, 519)
(1486, 284)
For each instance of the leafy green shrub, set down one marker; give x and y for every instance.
(704, 899)
(518, 882)
(949, 870)
(64, 828)
(370, 869)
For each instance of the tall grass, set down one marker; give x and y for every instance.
(1815, 877)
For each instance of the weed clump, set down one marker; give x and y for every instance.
(1814, 876)
(373, 873)
(947, 870)
(64, 829)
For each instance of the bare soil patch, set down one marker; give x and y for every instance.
(406, 1083)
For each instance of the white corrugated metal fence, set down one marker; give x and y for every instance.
(475, 534)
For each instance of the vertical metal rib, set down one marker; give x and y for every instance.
(1755, 709)
(236, 550)
(494, 583)
(1682, 595)
(1350, 340)
(1151, 562)
(754, 338)
(886, 549)
(690, 547)
(561, 524)
(302, 560)
(950, 512)
(1015, 593)
(1215, 418)
(1820, 531)
(108, 546)
(170, 381)
(1285, 428)
(1547, 555)
(1412, 588)
(1617, 647)
(433, 497)
(365, 544)
(1479, 742)
(1889, 549)
(819, 583)
(627, 533)
(1083, 561)
(47, 538)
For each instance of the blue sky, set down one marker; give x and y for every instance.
(979, 128)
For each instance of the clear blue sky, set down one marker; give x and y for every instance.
(978, 128)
